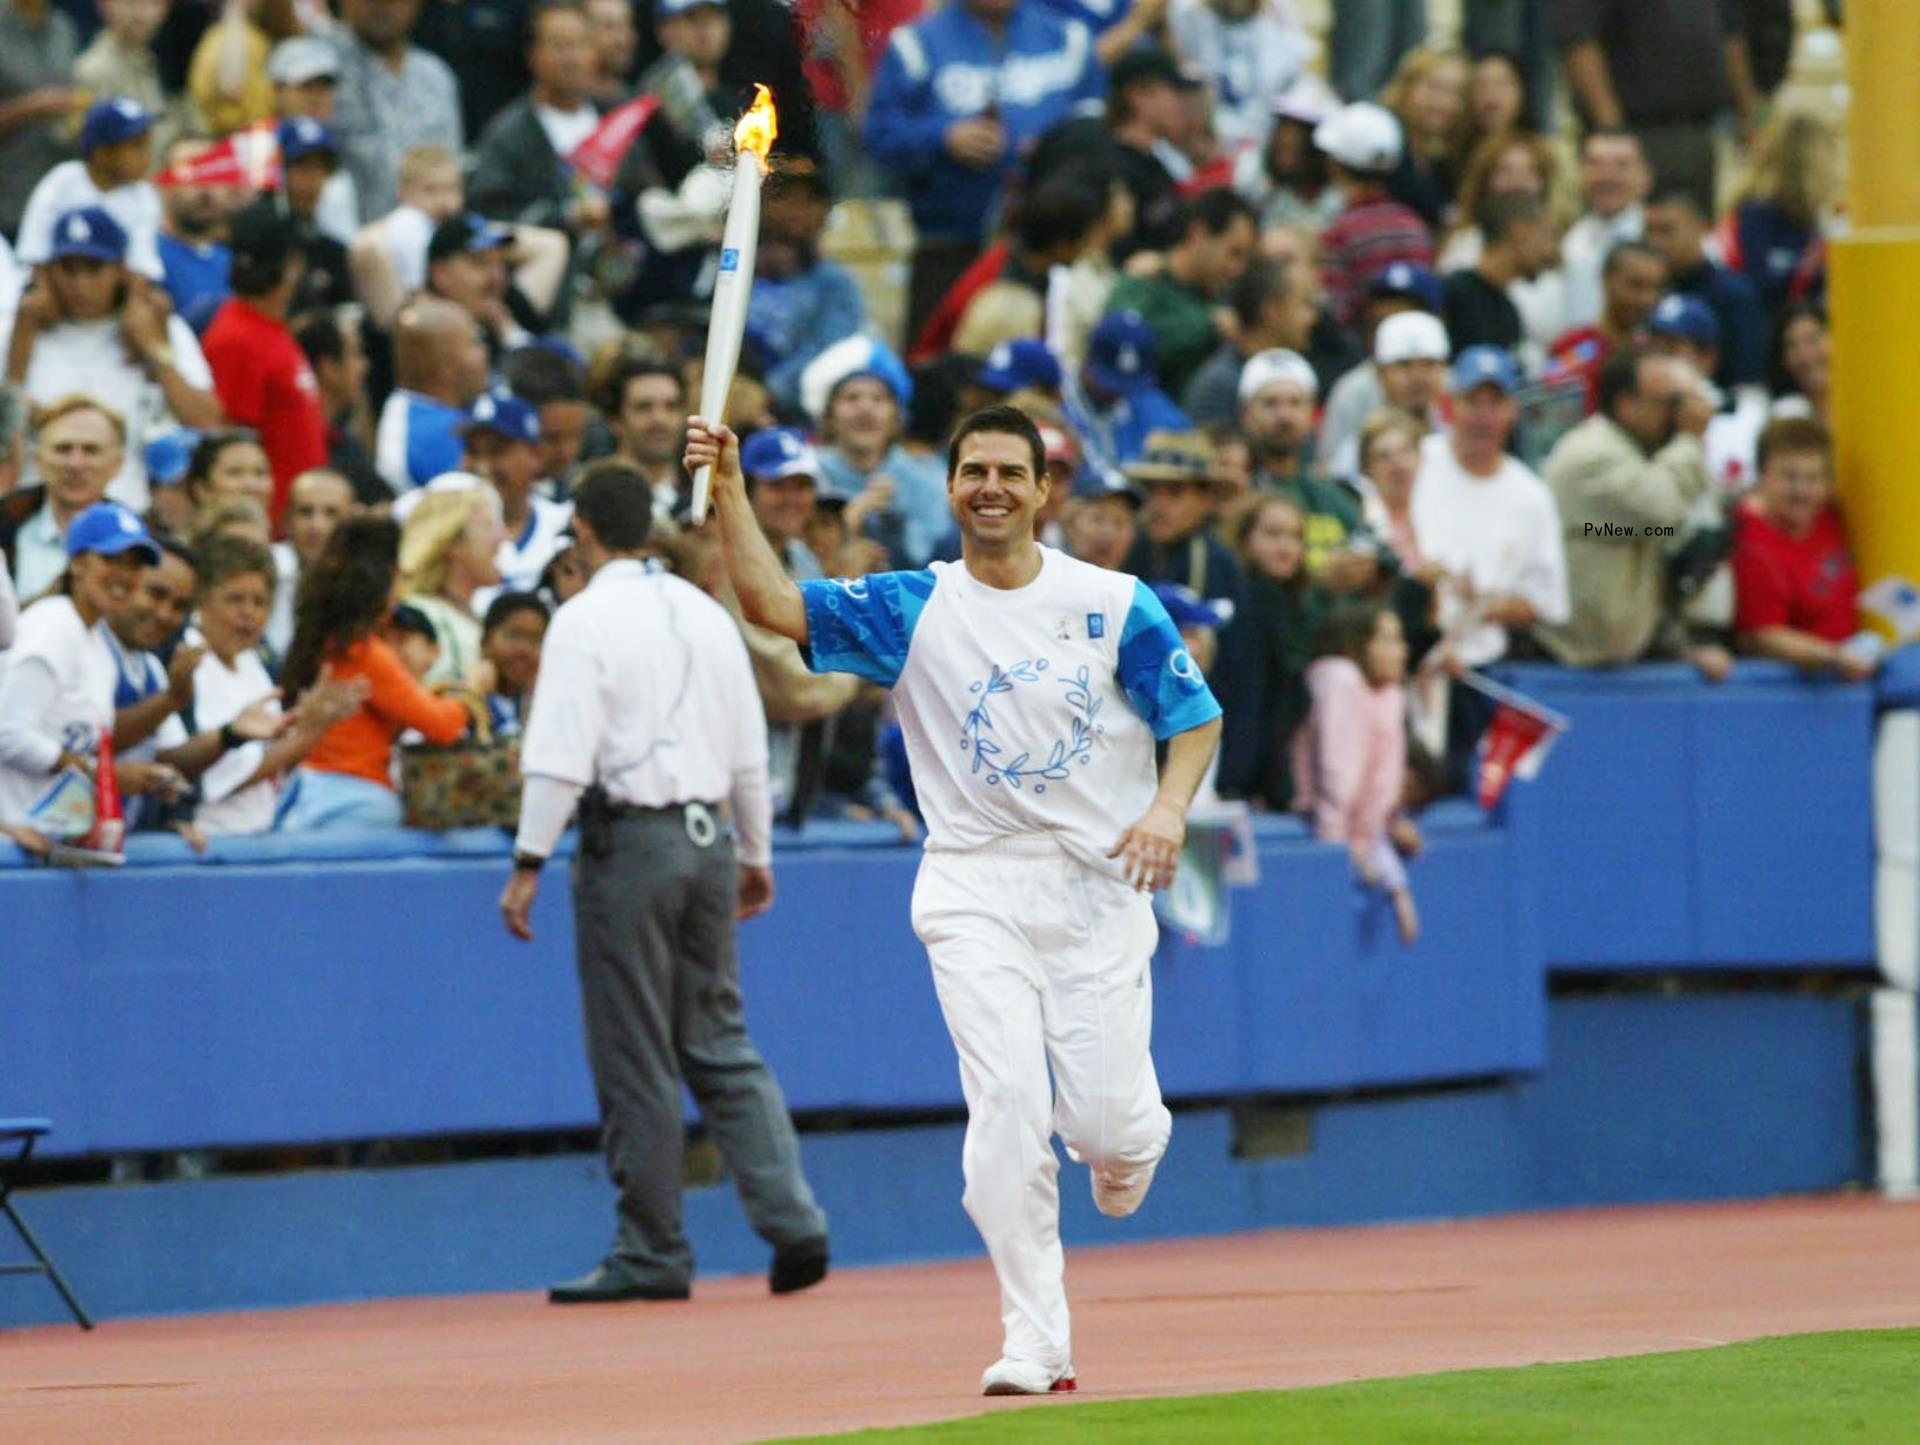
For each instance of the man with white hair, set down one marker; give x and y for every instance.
(1277, 394)
(1410, 352)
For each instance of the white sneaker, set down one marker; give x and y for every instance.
(1117, 1195)
(1023, 1377)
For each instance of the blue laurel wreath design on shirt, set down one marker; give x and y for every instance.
(1063, 753)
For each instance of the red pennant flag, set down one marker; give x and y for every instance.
(1515, 745)
(248, 158)
(598, 157)
(109, 831)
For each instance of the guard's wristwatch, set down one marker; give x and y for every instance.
(528, 862)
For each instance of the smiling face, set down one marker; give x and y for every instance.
(652, 420)
(1794, 487)
(234, 611)
(319, 503)
(104, 586)
(995, 491)
(863, 415)
(240, 470)
(782, 505)
(159, 604)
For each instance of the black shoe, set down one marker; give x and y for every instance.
(607, 1283)
(798, 1266)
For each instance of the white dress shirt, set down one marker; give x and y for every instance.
(646, 688)
(1583, 252)
(1503, 531)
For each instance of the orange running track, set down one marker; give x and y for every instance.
(905, 1345)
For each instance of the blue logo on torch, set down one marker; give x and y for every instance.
(730, 259)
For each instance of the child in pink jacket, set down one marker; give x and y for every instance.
(1350, 759)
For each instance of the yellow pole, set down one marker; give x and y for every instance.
(1874, 286)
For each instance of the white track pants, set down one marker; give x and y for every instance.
(1040, 959)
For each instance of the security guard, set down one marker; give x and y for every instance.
(646, 719)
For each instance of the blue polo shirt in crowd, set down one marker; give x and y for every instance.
(949, 67)
(196, 278)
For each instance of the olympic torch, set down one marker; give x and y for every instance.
(739, 243)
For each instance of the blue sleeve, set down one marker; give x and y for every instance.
(837, 310)
(864, 625)
(905, 125)
(1160, 676)
(1745, 339)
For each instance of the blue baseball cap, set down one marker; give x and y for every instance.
(1096, 484)
(1686, 318)
(1120, 353)
(464, 234)
(168, 455)
(662, 9)
(1015, 365)
(506, 414)
(113, 120)
(776, 452)
(305, 136)
(109, 529)
(88, 231)
(1416, 283)
(1188, 608)
(1485, 366)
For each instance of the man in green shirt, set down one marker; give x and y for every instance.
(1217, 236)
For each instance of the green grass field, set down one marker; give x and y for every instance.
(1862, 1386)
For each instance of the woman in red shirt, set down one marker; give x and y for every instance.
(1797, 593)
(347, 780)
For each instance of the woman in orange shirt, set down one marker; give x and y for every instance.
(347, 780)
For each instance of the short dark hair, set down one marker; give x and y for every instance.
(262, 240)
(614, 499)
(1000, 421)
(174, 547)
(1624, 251)
(1216, 209)
(1785, 435)
(225, 555)
(509, 605)
(1500, 212)
(1261, 282)
(1619, 377)
(318, 333)
(1681, 197)
(539, 374)
(543, 9)
(615, 396)
(1347, 629)
(1058, 211)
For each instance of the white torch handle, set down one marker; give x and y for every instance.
(727, 322)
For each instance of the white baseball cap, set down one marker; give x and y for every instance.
(1265, 368)
(1410, 336)
(1362, 137)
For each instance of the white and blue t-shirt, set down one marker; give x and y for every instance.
(1025, 710)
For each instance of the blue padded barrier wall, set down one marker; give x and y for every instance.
(1684, 825)
(261, 996)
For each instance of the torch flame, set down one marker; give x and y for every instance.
(758, 126)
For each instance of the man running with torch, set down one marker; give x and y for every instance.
(1031, 690)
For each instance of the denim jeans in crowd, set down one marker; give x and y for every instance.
(338, 800)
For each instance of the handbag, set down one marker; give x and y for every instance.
(474, 783)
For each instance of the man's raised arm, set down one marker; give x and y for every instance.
(767, 594)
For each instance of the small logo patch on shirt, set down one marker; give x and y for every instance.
(1096, 624)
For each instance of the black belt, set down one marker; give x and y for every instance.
(621, 811)
(598, 813)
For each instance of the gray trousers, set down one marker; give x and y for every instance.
(660, 988)
(1369, 37)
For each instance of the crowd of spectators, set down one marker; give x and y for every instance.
(311, 314)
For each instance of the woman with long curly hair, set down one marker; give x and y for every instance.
(347, 780)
